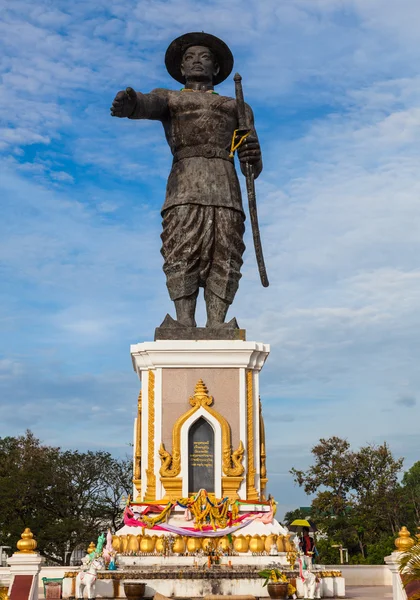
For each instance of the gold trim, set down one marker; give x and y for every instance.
(230, 487)
(263, 455)
(137, 449)
(171, 463)
(173, 488)
(251, 492)
(150, 471)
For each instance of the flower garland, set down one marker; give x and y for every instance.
(207, 513)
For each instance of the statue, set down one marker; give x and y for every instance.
(203, 217)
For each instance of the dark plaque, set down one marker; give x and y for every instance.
(200, 457)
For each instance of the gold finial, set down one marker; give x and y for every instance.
(91, 548)
(139, 402)
(200, 389)
(201, 395)
(27, 544)
(404, 542)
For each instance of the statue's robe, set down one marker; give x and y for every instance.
(203, 217)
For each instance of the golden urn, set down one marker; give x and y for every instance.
(256, 544)
(224, 544)
(280, 543)
(179, 545)
(241, 544)
(404, 542)
(132, 544)
(147, 544)
(123, 543)
(288, 546)
(193, 544)
(160, 544)
(207, 544)
(27, 544)
(116, 542)
(269, 541)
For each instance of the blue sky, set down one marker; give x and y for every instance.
(335, 89)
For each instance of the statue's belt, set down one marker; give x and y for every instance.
(204, 151)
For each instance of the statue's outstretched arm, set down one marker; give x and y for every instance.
(135, 105)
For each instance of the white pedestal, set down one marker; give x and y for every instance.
(26, 564)
(393, 563)
(170, 372)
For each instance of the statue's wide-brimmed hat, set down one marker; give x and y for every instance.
(221, 51)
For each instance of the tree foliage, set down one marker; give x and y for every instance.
(359, 501)
(65, 497)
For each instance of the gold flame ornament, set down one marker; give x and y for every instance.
(27, 544)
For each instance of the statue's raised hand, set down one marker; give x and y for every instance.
(124, 103)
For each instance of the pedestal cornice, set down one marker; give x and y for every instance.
(191, 353)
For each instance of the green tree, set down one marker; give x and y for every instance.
(358, 498)
(65, 497)
(411, 492)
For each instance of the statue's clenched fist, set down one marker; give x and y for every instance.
(250, 151)
(124, 103)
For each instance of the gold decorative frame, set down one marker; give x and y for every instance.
(251, 492)
(231, 462)
(137, 449)
(263, 455)
(150, 471)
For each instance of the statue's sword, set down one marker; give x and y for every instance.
(240, 135)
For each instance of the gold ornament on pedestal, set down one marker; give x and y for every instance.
(193, 544)
(280, 543)
(240, 544)
(269, 541)
(132, 544)
(147, 544)
(179, 546)
(256, 544)
(26, 545)
(404, 542)
(91, 548)
(224, 544)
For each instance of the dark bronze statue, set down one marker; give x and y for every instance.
(203, 217)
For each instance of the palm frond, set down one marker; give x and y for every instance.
(409, 566)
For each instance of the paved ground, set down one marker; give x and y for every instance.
(368, 593)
